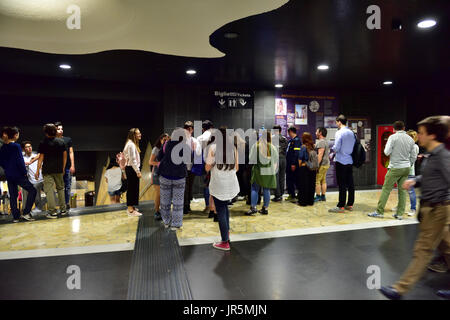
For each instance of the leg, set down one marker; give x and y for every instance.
(59, 182)
(26, 185)
(67, 185)
(444, 246)
(266, 192)
(412, 195)
(340, 176)
(133, 188)
(49, 189)
(39, 201)
(157, 198)
(290, 180)
(311, 186)
(303, 188)
(389, 181)
(221, 207)
(401, 192)
(166, 199)
(254, 196)
(178, 202)
(432, 230)
(13, 193)
(350, 185)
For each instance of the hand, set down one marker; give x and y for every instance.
(27, 164)
(292, 168)
(72, 170)
(139, 175)
(408, 184)
(36, 175)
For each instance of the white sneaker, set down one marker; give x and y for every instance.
(36, 210)
(27, 217)
(412, 213)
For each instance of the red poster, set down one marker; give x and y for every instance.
(383, 133)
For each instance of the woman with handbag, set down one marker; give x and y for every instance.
(307, 177)
(155, 175)
(132, 170)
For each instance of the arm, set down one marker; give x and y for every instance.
(388, 147)
(209, 160)
(236, 165)
(33, 160)
(132, 158)
(39, 166)
(337, 143)
(64, 160)
(320, 155)
(72, 159)
(413, 154)
(152, 161)
(21, 163)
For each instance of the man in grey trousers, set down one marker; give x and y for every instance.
(281, 175)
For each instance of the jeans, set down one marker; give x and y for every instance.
(67, 185)
(412, 195)
(255, 192)
(344, 175)
(223, 214)
(13, 193)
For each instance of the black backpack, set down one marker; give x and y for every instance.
(358, 154)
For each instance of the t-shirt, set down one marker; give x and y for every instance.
(53, 151)
(32, 168)
(69, 144)
(155, 152)
(323, 144)
(303, 155)
(114, 176)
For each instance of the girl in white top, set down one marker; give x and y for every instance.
(224, 185)
(132, 170)
(113, 177)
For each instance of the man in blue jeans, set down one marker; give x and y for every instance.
(69, 171)
(12, 162)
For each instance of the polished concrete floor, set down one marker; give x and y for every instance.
(330, 262)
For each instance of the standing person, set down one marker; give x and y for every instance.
(323, 153)
(343, 147)
(155, 174)
(307, 177)
(11, 160)
(52, 160)
(131, 152)
(113, 177)
(224, 184)
(194, 147)
(401, 149)
(204, 139)
(281, 174)
(434, 212)
(412, 174)
(69, 170)
(31, 172)
(292, 152)
(263, 171)
(172, 178)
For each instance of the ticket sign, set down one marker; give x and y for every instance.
(383, 133)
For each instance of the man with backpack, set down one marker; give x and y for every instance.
(400, 148)
(343, 147)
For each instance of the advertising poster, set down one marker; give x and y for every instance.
(281, 121)
(307, 111)
(280, 107)
(383, 133)
(301, 114)
(362, 128)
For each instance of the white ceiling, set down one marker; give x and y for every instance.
(175, 27)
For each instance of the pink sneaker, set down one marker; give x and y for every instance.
(222, 246)
(134, 214)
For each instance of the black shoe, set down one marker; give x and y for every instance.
(211, 214)
(251, 212)
(158, 215)
(263, 211)
(216, 219)
(277, 199)
(390, 293)
(186, 210)
(444, 294)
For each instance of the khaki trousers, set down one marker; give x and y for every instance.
(434, 232)
(52, 181)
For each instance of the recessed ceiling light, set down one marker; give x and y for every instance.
(65, 66)
(426, 23)
(387, 83)
(278, 85)
(230, 35)
(191, 71)
(323, 67)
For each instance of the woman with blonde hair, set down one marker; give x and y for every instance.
(131, 152)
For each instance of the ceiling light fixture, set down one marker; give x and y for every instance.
(65, 66)
(191, 71)
(387, 83)
(323, 67)
(278, 85)
(428, 23)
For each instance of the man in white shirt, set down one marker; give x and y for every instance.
(203, 141)
(400, 148)
(38, 184)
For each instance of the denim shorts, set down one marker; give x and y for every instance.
(156, 179)
(115, 193)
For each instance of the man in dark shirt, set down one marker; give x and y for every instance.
(434, 214)
(292, 169)
(69, 170)
(52, 160)
(281, 174)
(12, 162)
